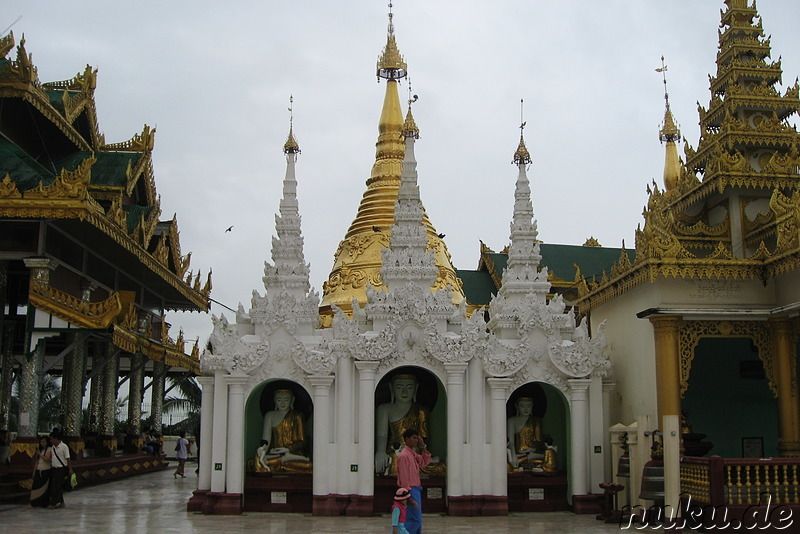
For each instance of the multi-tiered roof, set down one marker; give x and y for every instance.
(731, 210)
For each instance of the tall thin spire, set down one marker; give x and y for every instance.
(523, 284)
(407, 259)
(669, 134)
(290, 272)
(523, 249)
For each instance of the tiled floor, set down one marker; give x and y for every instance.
(156, 503)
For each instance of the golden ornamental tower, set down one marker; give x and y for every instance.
(357, 261)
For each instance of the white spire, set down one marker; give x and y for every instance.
(407, 259)
(524, 286)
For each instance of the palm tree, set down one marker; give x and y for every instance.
(187, 401)
(49, 403)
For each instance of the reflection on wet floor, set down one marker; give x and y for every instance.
(156, 503)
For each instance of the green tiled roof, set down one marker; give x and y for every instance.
(135, 214)
(24, 171)
(55, 96)
(560, 259)
(478, 286)
(110, 167)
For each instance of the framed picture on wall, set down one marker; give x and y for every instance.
(753, 447)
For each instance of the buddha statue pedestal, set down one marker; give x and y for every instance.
(271, 492)
(537, 492)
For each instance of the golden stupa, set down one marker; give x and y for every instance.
(357, 261)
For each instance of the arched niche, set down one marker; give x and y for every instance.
(261, 400)
(550, 404)
(431, 394)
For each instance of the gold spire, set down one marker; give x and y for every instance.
(291, 146)
(390, 63)
(669, 134)
(522, 156)
(358, 259)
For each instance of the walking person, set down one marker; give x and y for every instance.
(402, 499)
(40, 488)
(58, 456)
(409, 462)
(183, 448)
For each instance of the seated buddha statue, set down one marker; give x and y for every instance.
(394, 418)
(283, 439)
(525, 442)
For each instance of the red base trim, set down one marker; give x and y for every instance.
(197, 501)
(588, 504)
(222, 503)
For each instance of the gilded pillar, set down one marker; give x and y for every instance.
(95, 401)
(785, 375)
(157, 394)
(135, 395)
(72, 394)
(106, 441)
(668, 364)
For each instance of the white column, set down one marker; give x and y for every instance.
(598, 436)
(366, 426)
(321, 389)
(672, 460)
(346, 482)
(206, 431)
(610, 464)
(456, 420)
(579, 418)
(234, 474)
(477, 466)
(219, 441)
(499, 474)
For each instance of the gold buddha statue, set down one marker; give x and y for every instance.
(525, 441)
(283, 438)
(394, 418)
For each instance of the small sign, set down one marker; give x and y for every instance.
(434, 493)
(277, 497)
(535, 494)
(354, 468)
(598, 449)
(218, 467)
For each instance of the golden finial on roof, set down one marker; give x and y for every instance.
(669, 134)
(522, 156)
(410, 128)
(669, 130)
(291, 146)
(390, 63)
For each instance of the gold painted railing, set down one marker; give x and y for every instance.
(72, 309)
(741, 481)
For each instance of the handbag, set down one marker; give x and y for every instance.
(178, 446)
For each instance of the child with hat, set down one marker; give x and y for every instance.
(402, 499)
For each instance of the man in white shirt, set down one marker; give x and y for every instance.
(62, 467)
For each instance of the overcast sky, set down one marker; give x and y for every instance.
(215, 79)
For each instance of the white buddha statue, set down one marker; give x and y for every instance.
(395, 417)
(283, 439)
(525, 442)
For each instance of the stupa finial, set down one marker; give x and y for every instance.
(522, 156)
(390, 63)
(669, 130)
(291, 146)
